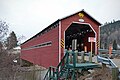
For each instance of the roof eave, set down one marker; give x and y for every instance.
(41, 31)
(85, 13)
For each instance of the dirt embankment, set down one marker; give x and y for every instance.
(98, 74)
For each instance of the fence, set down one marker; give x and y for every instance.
(28, 73)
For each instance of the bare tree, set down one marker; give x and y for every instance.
(6, 61)
(20, 38)
(3, 30)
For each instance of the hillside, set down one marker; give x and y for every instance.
(109, 33)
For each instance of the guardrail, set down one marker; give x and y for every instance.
(108, 61)
(106, 51)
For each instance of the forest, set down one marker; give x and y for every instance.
(109, 34)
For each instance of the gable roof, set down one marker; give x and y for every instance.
(57, 21)
(83, 11)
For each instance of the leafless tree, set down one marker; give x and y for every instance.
(3, 29)
(6, 61)
(20, 38)
(6, 66)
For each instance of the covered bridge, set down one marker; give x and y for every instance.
(47, 47)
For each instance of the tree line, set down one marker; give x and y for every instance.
(109, 34)
(7, 43)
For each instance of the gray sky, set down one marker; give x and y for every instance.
(28, 17)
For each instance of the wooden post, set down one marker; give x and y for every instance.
(74, 44)
(115, 73)
(110, 50)
(85, 51)
(74, 47)
(85, 48)
(91, 53)
(82, 56)
(91, 40)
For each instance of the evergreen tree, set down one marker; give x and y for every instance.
(11, 41)
(110, 32)
(115, 45)
(105, 45)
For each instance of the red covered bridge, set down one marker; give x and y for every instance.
(47, 47)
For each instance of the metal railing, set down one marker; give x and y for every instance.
(62, 69)
(108, 61)
(56, 72)
(51, 73)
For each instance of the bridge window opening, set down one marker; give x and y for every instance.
(81, 32)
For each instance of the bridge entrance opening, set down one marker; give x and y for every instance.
(80, 32)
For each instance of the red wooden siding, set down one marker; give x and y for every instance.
(44, 56)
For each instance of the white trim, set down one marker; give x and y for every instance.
(68, 26)
(64, 34)
(37, 46)
(64, 42)
(90, 27)
(59, 54)
(99, 38)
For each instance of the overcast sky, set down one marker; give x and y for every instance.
(28, 17)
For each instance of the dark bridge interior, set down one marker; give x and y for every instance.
(81, 32)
